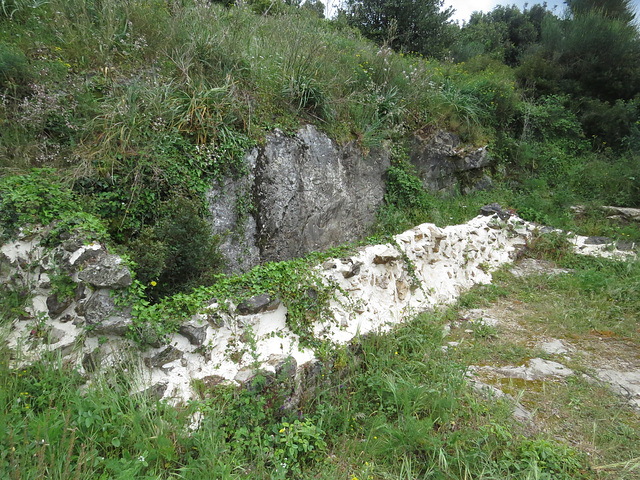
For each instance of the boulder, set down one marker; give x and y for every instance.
(97, 307)
(116, 325)
(386, 257)
(258, 304)
(56, 306)
(245, 376)
(494, 209)
(626, 246)
(628, 214)
(155, 392)
(306, 194)
(108, 271)
(598, 241)
(194, 331)
(92, 360)
(163, 357)
(352, 270)
(102, 316)
(443, 164)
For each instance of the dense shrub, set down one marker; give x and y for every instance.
(177, 250)
(34, 198)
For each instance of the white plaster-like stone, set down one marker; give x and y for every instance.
(85, 248)
(373, 297)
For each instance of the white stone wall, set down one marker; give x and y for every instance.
(376, 291)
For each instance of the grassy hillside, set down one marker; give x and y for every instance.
(115, 116)
(136, 106)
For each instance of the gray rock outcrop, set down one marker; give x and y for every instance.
(443, 164)
(258, 304)
(307, 194)
(623, 213)
(108, 271)
(304, 193)
(311, 194)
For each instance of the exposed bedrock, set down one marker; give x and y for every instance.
(444, 164)
(311, 194)
(304, 193)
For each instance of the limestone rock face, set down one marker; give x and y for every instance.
(304, 193)
(229, 201)
(307, 194)
(312, 194)
(443, 164)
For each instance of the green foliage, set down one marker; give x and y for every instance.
(604, 63)
(618, 9)
(404, 188)
(298, 445)
(200, 111)
(505, 33)
(294, 282)
(49, 429)
(551, 246)
(63, 286)
(406, 202)
(611, 126)
(15, 72)
(34, 198)
(539, 74)
(251, 420)
(549, 459)
(177, 251)
(548, 119)
(419, 27)
(14, 298)
(610, 181)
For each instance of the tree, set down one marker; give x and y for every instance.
(601, 57)
(420, 26)
(506, 32)
(315, 6)
(615, 9)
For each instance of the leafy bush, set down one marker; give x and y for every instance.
(37, 197)
(406, 202)
(552, 246)
(404, 188)
(177, 251)
(298, 445)
(611, 125)
(549, 459)
(549, 119)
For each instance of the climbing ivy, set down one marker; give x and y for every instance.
(296, 283)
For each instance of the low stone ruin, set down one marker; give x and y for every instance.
(231, 340)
